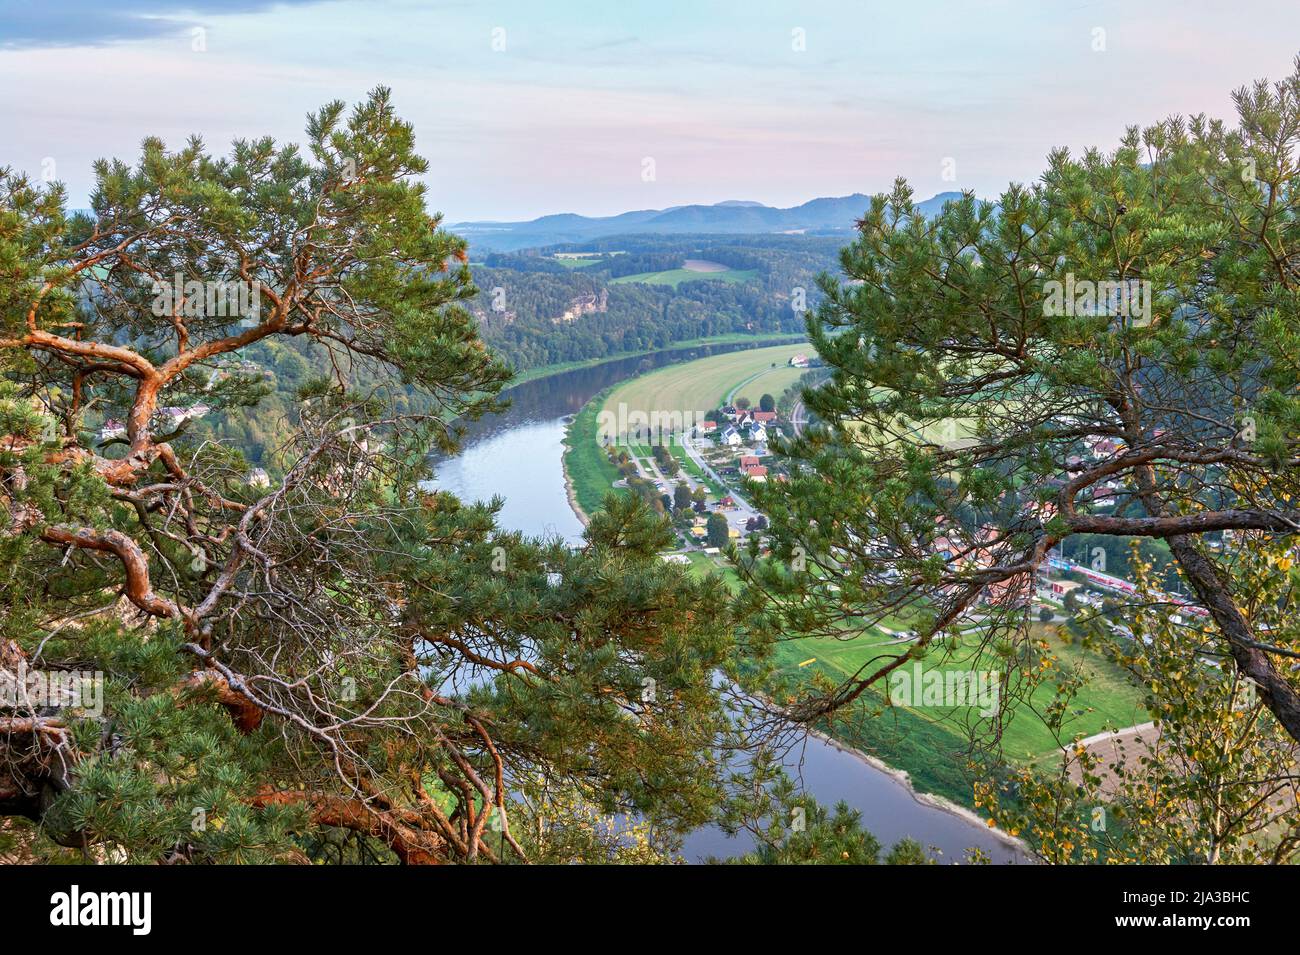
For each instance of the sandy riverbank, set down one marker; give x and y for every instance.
(568, 488)
(927, 799)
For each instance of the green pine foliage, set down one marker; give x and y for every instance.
(327, 663)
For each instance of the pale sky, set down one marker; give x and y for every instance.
(530, 107)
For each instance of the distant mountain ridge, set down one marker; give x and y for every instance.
(822, 215)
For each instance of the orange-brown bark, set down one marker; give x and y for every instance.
(411, 844)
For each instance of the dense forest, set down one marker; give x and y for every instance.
(531, 330)
(251, 404)
(535, 311)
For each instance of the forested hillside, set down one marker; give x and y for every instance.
(535, 311)
(548, 313)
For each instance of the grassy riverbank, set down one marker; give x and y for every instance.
(546, 371)
(693, 386)
(587, 469)
(926, 741)
(696, 386)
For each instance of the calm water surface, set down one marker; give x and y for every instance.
(518, 457)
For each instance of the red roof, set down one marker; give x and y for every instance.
(765, 416)
(748, 460)
(756, 471)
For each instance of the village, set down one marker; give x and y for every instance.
(730, 449)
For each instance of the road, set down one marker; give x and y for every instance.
(648, 469)
(743, 510)
(731, 395)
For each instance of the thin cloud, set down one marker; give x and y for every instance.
(24, 25)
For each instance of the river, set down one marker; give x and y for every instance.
(518, 456)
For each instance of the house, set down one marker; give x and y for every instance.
(758, 434)
(799, 361)
(730, 437)
(755, 473)
(112, 429)
(1062, 587)
(764, 417)
(707, 427)
(175, 417)
(748, 461)
(700, 532)
(1013, 594)
(1043, 510)
(675, 558)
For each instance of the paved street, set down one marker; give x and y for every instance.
(743, 510)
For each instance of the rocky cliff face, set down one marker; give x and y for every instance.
(585, 305)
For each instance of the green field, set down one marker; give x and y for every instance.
(674, 277)
(1106, 701)
(691, 387)
(928, 741)
(697, 386)
(773, 382)
(543, 371)
(588, 467)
